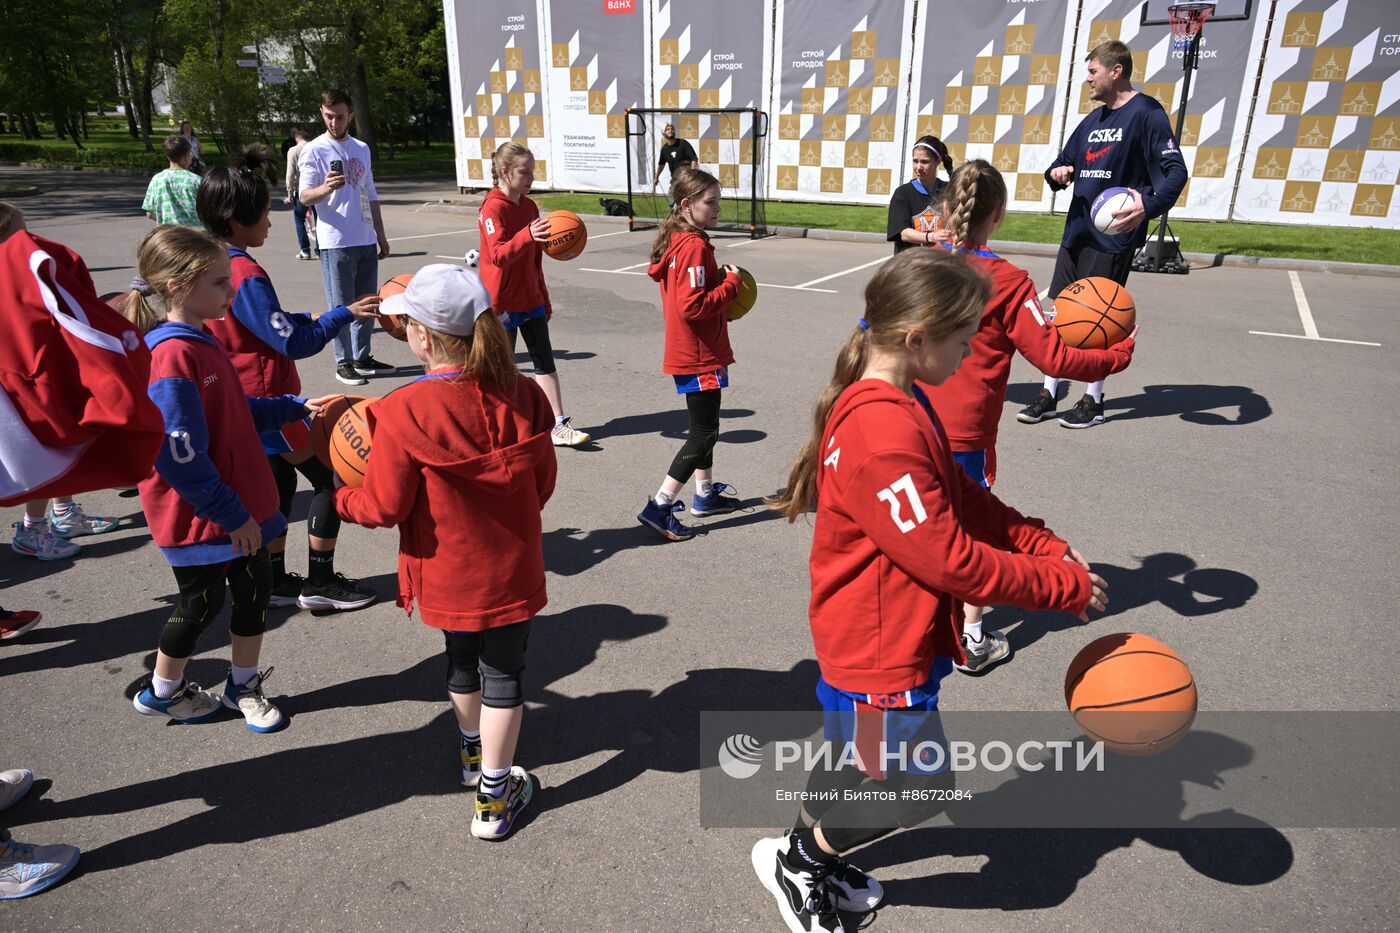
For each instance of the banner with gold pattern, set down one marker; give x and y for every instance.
(494, 54)
(1324, 147)
(838, 100)
(989, 81)
(597, 68)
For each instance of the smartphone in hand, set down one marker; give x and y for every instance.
(338, 166)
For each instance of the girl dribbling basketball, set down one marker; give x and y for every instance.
(901, 536)
(970, 402)
(695, 294)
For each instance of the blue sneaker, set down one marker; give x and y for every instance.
(716, 503)
(248, 699)
(663, 519)
(189, 705)
(26, 869)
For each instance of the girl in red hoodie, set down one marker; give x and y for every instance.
(463, 464)
(512, 269)
(695, 294)
(902, 536)
(970, 402)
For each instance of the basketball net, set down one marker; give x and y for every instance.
(1186, 20)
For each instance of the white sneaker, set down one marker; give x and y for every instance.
(75, 522)
(26, 869)
(566, 435)
(14, 785)
(40, 542)
(190, 704)
(806, 901)
(248, 699)
(985, 654)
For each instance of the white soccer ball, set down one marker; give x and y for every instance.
(472, 258)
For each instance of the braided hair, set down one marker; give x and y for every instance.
(975, 193)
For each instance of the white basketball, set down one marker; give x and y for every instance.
(472, 258)
(1106, 205)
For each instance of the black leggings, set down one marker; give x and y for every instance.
(536, 331)
(849, 824)
(699, 450)
(490, 661)
(202, 596)
(323, 520)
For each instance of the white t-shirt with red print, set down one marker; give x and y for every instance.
(343, 219)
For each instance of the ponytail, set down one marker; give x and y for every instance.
(687, 184)
(236, 193)
(975, 193)
(169, 261)
(485, 353)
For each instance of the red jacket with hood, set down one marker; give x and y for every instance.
(970, 402)
(512, 263)
(903, 537)
(463, 468)
(694, 296)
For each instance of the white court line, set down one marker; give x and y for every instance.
(1304, 312)
(837, 275)
(1359, 343)
(635, 265)
(614, 233)
(424, 236)
(746, 242)
(795, 288)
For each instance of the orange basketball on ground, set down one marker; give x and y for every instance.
(350, 443)
(567, 235)
(392, 323)
(323, 423)
(1132, 693)
(1094, 313)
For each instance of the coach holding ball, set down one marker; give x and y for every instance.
(1126, 143)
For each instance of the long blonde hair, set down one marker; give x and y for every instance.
(687, 185)
(929, 291)
(484, 353)
(169, 261)
(506, 155)
(975, 192)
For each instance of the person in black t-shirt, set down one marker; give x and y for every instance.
(916, 207)
(676, 154)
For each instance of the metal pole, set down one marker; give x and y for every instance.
(627, 116)
(1189, 65)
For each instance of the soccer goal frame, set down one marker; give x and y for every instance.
(641, 121)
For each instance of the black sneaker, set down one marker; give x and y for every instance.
(806, 901)
(1037, 411)
(286, 592)
(339, 593)
(1085, 414)
(346, 373)
(369, 366)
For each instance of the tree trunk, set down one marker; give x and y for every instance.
(123, 88)
(58, 123)
(148, 76)
(74, 133)
(359, 87)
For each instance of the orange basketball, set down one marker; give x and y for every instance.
(393, 323)
(1132, 693)
(567, 235)
(1094, 313)
(350, 443)
(323, 423)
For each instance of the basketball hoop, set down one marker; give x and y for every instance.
(1186, 20)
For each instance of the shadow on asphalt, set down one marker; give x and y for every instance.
(1031, 869)
(1197, 404)
(1168, 578)
(675, 423)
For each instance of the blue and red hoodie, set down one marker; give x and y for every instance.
(264, 340)
(211, 475)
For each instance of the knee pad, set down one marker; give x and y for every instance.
(934, 788)
(461, 678)
(500, 690)
(188, 622)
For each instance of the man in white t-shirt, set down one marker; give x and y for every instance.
(337, 180)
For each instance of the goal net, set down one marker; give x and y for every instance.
(731, 145)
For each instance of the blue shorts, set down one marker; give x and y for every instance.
(981, 465)
(513, 319)
(702, 382)
(872, 722)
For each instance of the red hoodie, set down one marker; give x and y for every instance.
(694, 297)
(903, 537)
(512, 263)
(970, 402)
(463, 468)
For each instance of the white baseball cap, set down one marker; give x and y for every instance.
(445, 297)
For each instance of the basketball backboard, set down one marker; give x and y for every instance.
(1154, 12)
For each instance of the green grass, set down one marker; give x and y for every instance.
(1344, 244)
